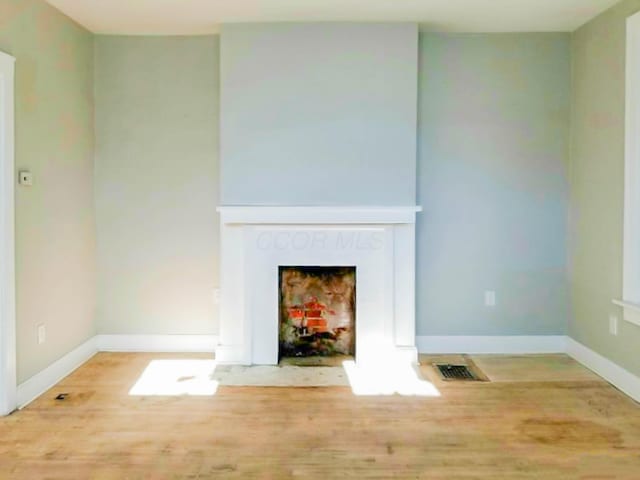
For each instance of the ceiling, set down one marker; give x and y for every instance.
(191, 17)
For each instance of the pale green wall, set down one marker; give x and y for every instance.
(55, 221)
(157, 184)
(493, 180)
(597, 185)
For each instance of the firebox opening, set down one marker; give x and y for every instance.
(317, 314)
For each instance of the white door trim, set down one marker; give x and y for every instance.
(8, 400)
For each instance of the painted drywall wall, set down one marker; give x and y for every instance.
(597, 185)
(493, 181)
(157, 184)
(55, 218)
(318, 114)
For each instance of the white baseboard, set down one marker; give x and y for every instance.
(610, 371)
(613, 373)
(525, 344)
(47, 378)
(231, 355)
(156, 343)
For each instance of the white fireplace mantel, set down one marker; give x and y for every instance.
(378, 241)
(318, 215)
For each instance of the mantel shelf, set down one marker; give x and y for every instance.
(318, 214)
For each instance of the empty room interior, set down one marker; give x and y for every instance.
(281, 239)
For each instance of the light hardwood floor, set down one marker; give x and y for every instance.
(541, 417)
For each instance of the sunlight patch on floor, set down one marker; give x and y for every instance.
(388, 379)
(198, 377)
(176, 377)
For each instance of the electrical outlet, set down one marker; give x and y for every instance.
(216, 296)
(613, 325)
(42, 334)
(490, 298)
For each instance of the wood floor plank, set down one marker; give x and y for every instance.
(535, 427)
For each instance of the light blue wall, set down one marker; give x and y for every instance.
(492, 172)
(157, 184)
(318, 114)
(492, 177)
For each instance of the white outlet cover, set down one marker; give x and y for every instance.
(216, 296)
(613, 325)
(490, 298)
(42, 334)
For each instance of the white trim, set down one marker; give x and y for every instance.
(525, 344)
(318, 215)
(605, 368)
(8, 400)
(536, 344)
(631, 247)
(610, 371)
(622, 303)
(157, 343)
(50, 376)
(54, 373)
(630, 311)
(256, 241)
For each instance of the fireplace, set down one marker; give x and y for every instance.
(320, 247)
(317, 311)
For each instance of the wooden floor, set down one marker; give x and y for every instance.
(541, 417)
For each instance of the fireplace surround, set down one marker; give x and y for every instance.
(256, 242)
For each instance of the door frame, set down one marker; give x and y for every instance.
(8, 379)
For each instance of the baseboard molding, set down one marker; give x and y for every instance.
(613, 373)
(526, 344)
(620, 378)
(156, 343)
(47, 378)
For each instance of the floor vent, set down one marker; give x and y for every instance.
(455, 372)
